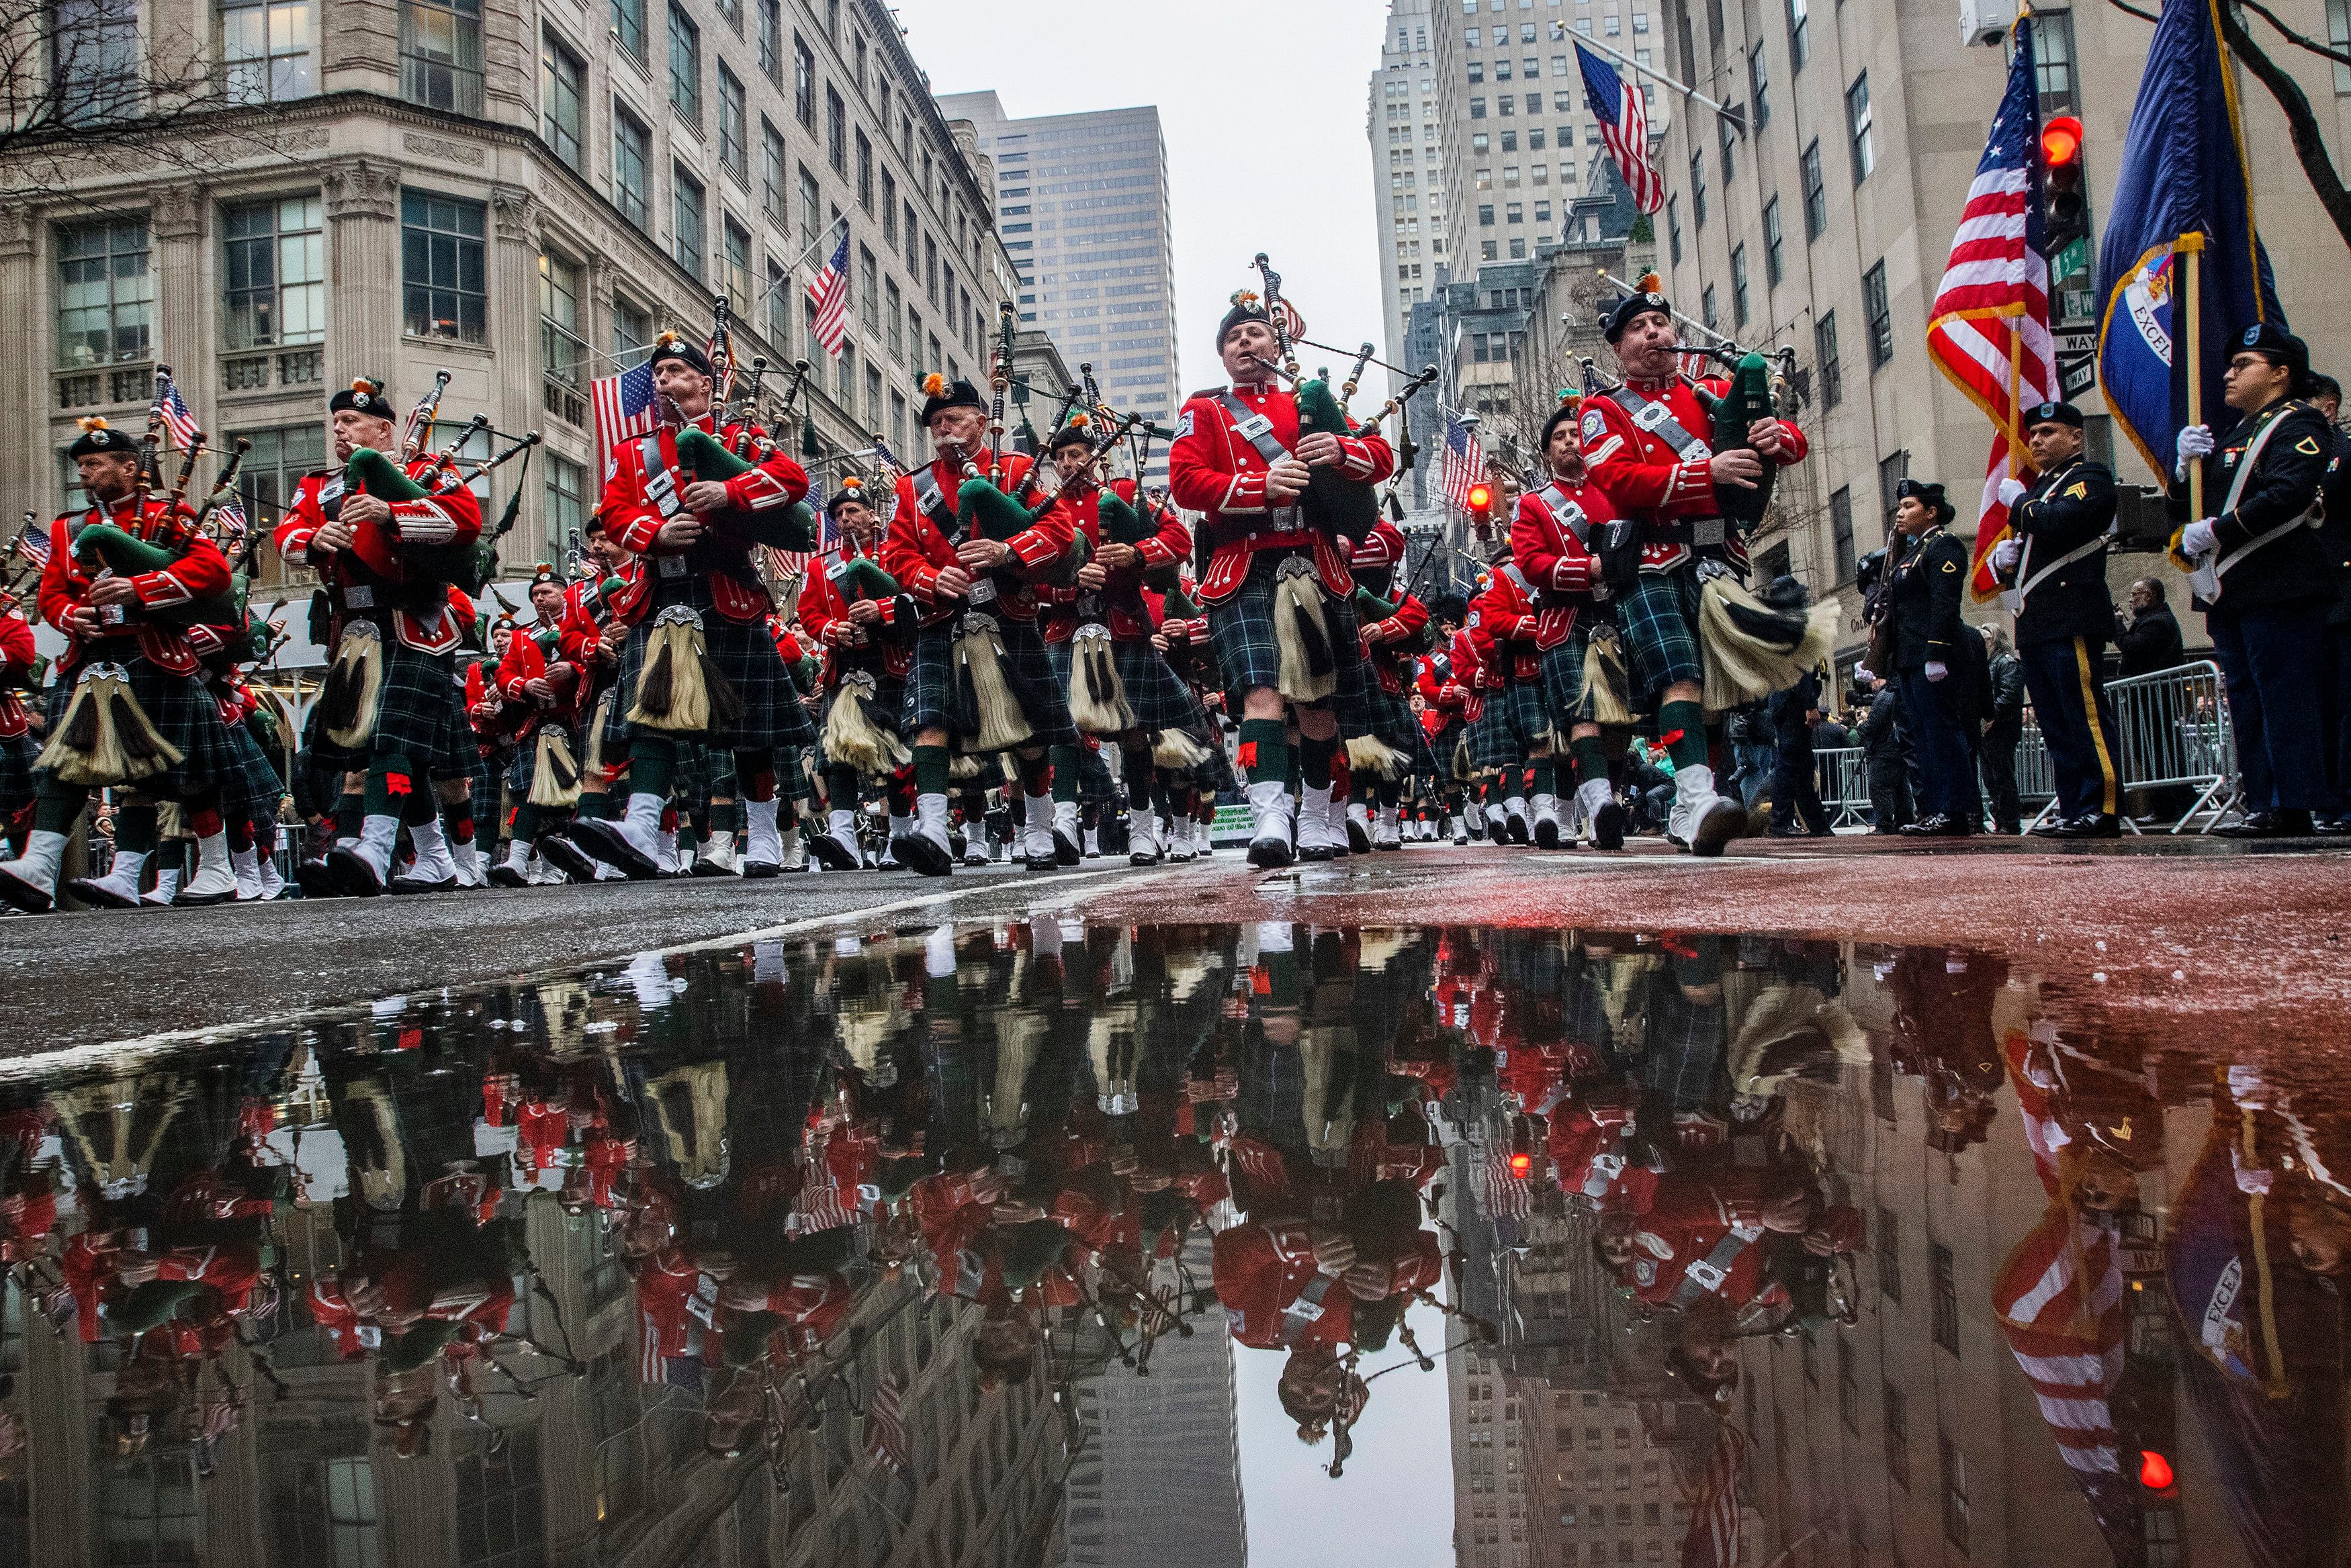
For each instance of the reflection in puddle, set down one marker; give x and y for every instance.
(1175, 1245)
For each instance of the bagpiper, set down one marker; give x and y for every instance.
(384, 532)
(1392, 632)
(1651, 445)
(1277, 588)
(700, 664)
(1099, 632)
(538, 689)
(19, 663)
(1553, 547)
(865, 624)
(970, 534)
(129, 710)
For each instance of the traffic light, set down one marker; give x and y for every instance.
(2154, 1471)
(2067, 207)
(1481, 506)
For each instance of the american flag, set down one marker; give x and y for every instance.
(1623, 127)
(624, 408)
(830, 295)
(173, 409)
(33, 544)
(229, 521)
(1507, 1196)
(1988, 330)
(1713, 1538)
(886, 1426)
(1292, 322)
(1465, 462)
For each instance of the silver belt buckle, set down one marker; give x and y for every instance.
(672, 565)
(360, 597)
(983, 592)
(1707, 531)
(112, 614)
(1285, 519)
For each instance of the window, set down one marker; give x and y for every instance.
(2338, 33)
(444, 287)
(773, 172)
(274, 257)
(1758, 76)
(1897, 1423)
(809, 207)
(1938, 1257)
(1881, 316)
(771, 40)
(632, 328)
(561, 80)
(736, 243)
(106, 295)
(1477, 109)
(1476, 72)
(1816, 195)
(803, 82)
(1848, 1385)
(1891, 472)
(441, 54)
(1955, 1493)
(269, 50)
(2053, 58)
(563, 350)
(1706, 312)
(685, 67)
(1729, 150)
(1856, 121)
(733, 123)
(1674, 226)
(629, 26)
(686, 219)
(1800, 33)
(893, 309)
(500, 1510)
(567, 506)
(95, 69)
(1832, 379)
(868, 293)
(1738, 285)
(864, 173)
(630, 155)
(1775, 257)
(1841, 546)
(1698, 188)
(274, 468)
(836, 131)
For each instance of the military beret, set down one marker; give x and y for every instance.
(98, 436)
(2054, 414)
(939, 395)
(2279, 347)
(1649, 296)
(1926, 490)
(853, 488)
(1246, 307)
(362, 396)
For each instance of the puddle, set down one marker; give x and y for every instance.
(1172, 1245)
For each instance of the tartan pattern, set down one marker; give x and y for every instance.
(1393, 722)
(523, 770)
(1094, 786)
(930, 701)
(1493, 742)
(17, 755)
(1159, 696)
(746, 657)
(1658, 614)
(252, 790)
(1562, 680)
(183, 714)
(421, 713)
(1241, 628)
(704, 773)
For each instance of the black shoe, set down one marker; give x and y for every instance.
(1498, 830)
(921, 854)
(1067, 851)
(1939, 826)
(1725, 820)
(22, 895)
(602, 838)
(1269, 853)
(1518, 826)
(840, 857)
(559, 851)
(1546, 832)
(1790, 833)
(354, 878)
(2268, 824)
(505, 876)
(418, 885)
(1359, 842)
(1608, 827)
(2008, 829)
(316, 880)
(2095, 824)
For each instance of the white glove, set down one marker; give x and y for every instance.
(1861, 672)
(2010, 492)
(2195, 441)
(1937, 670)
(2197, 538)
(2004, 553)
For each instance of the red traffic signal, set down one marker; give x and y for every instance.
(2154, 1470)
(1521, 1163)
(2060, 142)
(1481, 498)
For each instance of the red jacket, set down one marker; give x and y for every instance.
(916, 549)
(635, 521)
(1648, 479)
(824, 615)
(372, 575)
(1171, 544)
(200, 573)
(526, 661)
(1383, 642)
(1213, 469)
(17, 656)
(1555, 559)
(1502, 629)
(1275, 1298)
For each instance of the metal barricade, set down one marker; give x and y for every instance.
(2036, 775)
(1844, 785)
(2175, 732)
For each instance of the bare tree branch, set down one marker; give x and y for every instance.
(2325, 51)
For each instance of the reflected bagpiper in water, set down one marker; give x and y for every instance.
(866, 1248)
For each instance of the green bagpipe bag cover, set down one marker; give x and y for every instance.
(1747, 400)
(127, 556)
(708, 458)
(1348, 507)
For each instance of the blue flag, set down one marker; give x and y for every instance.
(2183, 174)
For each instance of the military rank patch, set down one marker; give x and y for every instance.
(1951, 565)
(2079, 490)
(1592, 424)
(1473, 617)
(2307, 446)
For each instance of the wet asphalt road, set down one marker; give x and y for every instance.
(2257, 946)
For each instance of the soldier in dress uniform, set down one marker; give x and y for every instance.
(1515, 728)
(698, 583)
(384, 564)
(1239, 458)
(129, 707)
(868, 646)
(1375, 810)
(957, 574)
(1646, 444)
(1552, 541)
(1935, 655)
(2259, 570)
(17, 747)
(2056, 563)
(538, 689)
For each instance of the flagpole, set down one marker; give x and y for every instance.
(2188, 249)
(1736, 117)
(840, 222)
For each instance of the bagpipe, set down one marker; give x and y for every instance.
(106, 549)
(469, 567)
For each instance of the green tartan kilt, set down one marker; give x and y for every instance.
(1094, 785)
(934, 702)
(183, 714)
(1241, 627)
(421, 715)
(746, 657)
(1562, 680)
(522, 769)
(1393, 722)
(704, 773)
(1658, 616)
(1159, 696)
(1493, 742)
(17, 755)
(252, 791)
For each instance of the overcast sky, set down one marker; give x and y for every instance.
(1262, 107)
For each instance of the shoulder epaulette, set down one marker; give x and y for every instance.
(1211, 392)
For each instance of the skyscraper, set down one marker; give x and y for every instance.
(1081, 206)
(1401, 120)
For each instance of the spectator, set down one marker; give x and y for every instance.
(2335, 533)
(2003, 732)
(1796, 809)
(1885, 752)
(1831, 733)
(1752, 740)
(2148, 633)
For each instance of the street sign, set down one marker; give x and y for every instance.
(2073, 258)
(2082, 341)
(2077, 376)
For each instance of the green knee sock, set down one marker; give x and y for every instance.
(930, 770)
(1591, 761)
(652, 765)
(391, 785)
(1689, 720)
(1546, 776)
(1265, 749)
(1065, 772)
(60, 807)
